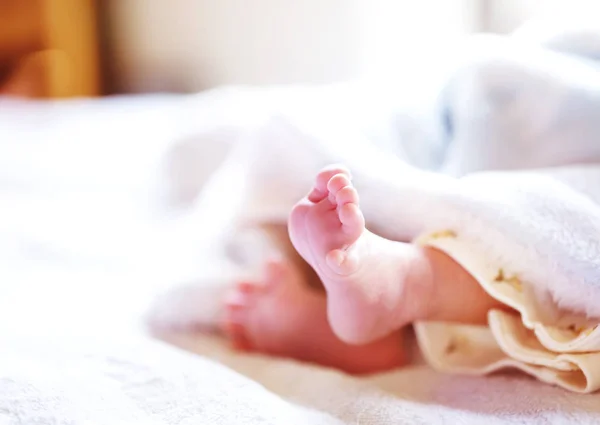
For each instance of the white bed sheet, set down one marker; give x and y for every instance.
(85, 242)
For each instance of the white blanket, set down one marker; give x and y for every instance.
(520, 122)
(86, 244)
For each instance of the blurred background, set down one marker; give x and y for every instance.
(66, 48)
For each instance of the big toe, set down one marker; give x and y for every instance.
(342, 262)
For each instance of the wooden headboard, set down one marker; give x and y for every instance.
(49, 48)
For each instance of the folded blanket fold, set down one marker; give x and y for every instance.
(567, 355)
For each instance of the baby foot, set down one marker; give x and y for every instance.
(280, 315)
(260, 315)
(367, 278)
(329, 223)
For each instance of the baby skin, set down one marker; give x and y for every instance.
(374, 287)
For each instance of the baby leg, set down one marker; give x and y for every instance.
(283, 312)
(376, 286)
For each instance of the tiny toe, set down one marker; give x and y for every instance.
(326, 174)
(335, 258)
(340, 262)
(346, 195)
(316, 195)
(331, 198)
(248, 288)
(337, 183)
(351, 218)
